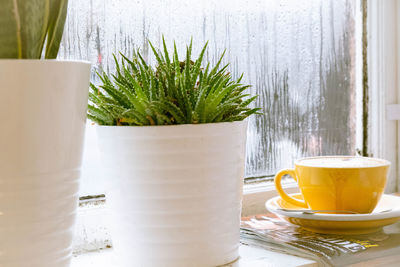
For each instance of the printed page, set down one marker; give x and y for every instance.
(270, 231)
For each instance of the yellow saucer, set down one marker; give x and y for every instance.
(386, 212)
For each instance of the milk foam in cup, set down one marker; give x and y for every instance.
(342, 162)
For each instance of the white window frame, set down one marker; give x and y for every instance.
(383, 27)
(383, 81)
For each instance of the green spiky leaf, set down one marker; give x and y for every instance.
(173, 92)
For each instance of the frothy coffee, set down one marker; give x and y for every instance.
(342, 162)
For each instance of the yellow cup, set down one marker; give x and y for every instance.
(337, 183)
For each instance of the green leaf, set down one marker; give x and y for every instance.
(201, 103)
(23, 28)
(173, 92)
(58, 14)
(248, 101)
(137, 117)
(166, 56)
(116, 95)
(220, 111)
(100, 114)
(96, 119)
(156, 54)
(216, 67)
(176, 60)
(172, 109)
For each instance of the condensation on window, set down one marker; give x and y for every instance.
(299, 57)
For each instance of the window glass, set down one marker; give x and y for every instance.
(299, 57)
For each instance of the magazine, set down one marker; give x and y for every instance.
(271, 232)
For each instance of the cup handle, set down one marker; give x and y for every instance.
(282, 193)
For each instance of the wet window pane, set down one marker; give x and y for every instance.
(299, 57)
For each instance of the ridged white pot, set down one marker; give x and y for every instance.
(42, 114)
(175, 192)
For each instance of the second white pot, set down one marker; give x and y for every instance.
(174, 192)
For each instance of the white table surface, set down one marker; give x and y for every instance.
(249, 257)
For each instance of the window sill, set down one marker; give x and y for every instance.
(249, 257)
(255, 196)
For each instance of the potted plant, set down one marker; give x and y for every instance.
(42, 112)
(172, 139)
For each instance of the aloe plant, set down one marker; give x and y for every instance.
(172, 92)
(26, 25)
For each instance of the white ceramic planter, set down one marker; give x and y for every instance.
(42, 115)
(175, 192)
